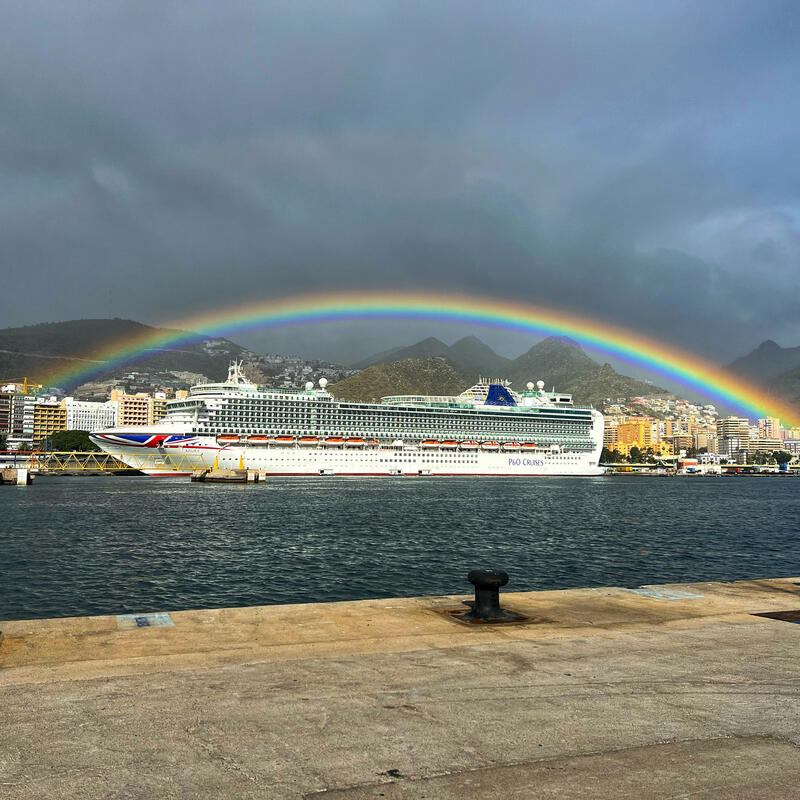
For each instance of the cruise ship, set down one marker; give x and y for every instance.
(489, 429)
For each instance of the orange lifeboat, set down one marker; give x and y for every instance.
(307, 441)
(283, 440)
(228, 438)
(470, 445)
(334, 441)
(449, 444)
(371, 442)
(510, 447)
(490, 446)
(529, 446)
(257, 439)
(354, 441)
(428, 443)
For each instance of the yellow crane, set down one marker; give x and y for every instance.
(23, 381)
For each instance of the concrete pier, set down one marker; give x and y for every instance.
(658, 692)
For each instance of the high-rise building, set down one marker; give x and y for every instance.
(48, 418)
(729, 427)
(640, 432)
(769, 428)
(132, 409)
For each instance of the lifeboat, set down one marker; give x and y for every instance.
(510, 447)
(307, 441)
(428, 443)
(529, 446)
(257, 439)
(469, 445)
(490, 446)
(284, 440)
(449, 444)
(228, 438)
(354, 441)
(334, 441)
(371, 442)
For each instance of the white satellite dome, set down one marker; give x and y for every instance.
(309, 386)
(323, 382)
(530, 386)
(540, 385)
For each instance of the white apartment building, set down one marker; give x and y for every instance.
(83, 415)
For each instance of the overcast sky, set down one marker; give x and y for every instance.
(638, 162)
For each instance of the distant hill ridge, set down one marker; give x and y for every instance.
(775, 368)
(38, 351)
(558, 361)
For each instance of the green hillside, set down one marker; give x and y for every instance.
(559, 362)
(410, 376)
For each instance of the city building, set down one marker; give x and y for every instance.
(642, 433)
(48, 418)
(158, 407)
(610, 433)
(132, 409)
(84, 415)
(769, 428)
(5, 412)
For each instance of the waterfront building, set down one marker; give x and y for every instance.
(84, 415)
(682, 441)
(5, 412)
(48, 418)
(610, 433)
(792, 446)
(704, 439)
(643, 433)
(764, 445)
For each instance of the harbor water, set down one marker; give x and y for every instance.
(112, 545)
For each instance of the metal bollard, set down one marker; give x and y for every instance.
(487, 583)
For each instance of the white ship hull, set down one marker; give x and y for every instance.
(328, 461)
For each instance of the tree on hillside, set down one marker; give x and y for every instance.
(72, 440)
(635, 454)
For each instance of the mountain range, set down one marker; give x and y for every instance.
(428, 367)
(39, 351)
(558, 361)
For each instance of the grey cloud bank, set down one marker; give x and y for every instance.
(635, 162)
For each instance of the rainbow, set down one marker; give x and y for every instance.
(658, 358)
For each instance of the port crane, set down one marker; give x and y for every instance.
(25, 384)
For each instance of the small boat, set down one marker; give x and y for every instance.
(354, 441)
(449, 444)
(470, 445)
(428, 443)
(510, 447)
(529, 446)
(490, 446)
(228, 438)
(372, 442)
(257, 439)
(334, 441)
(307, 441)
(284, 440)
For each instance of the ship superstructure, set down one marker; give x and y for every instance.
(488, 429)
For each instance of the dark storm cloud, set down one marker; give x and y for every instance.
(632, 161)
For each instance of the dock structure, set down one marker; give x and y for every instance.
(648, 692)
(15, 476)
